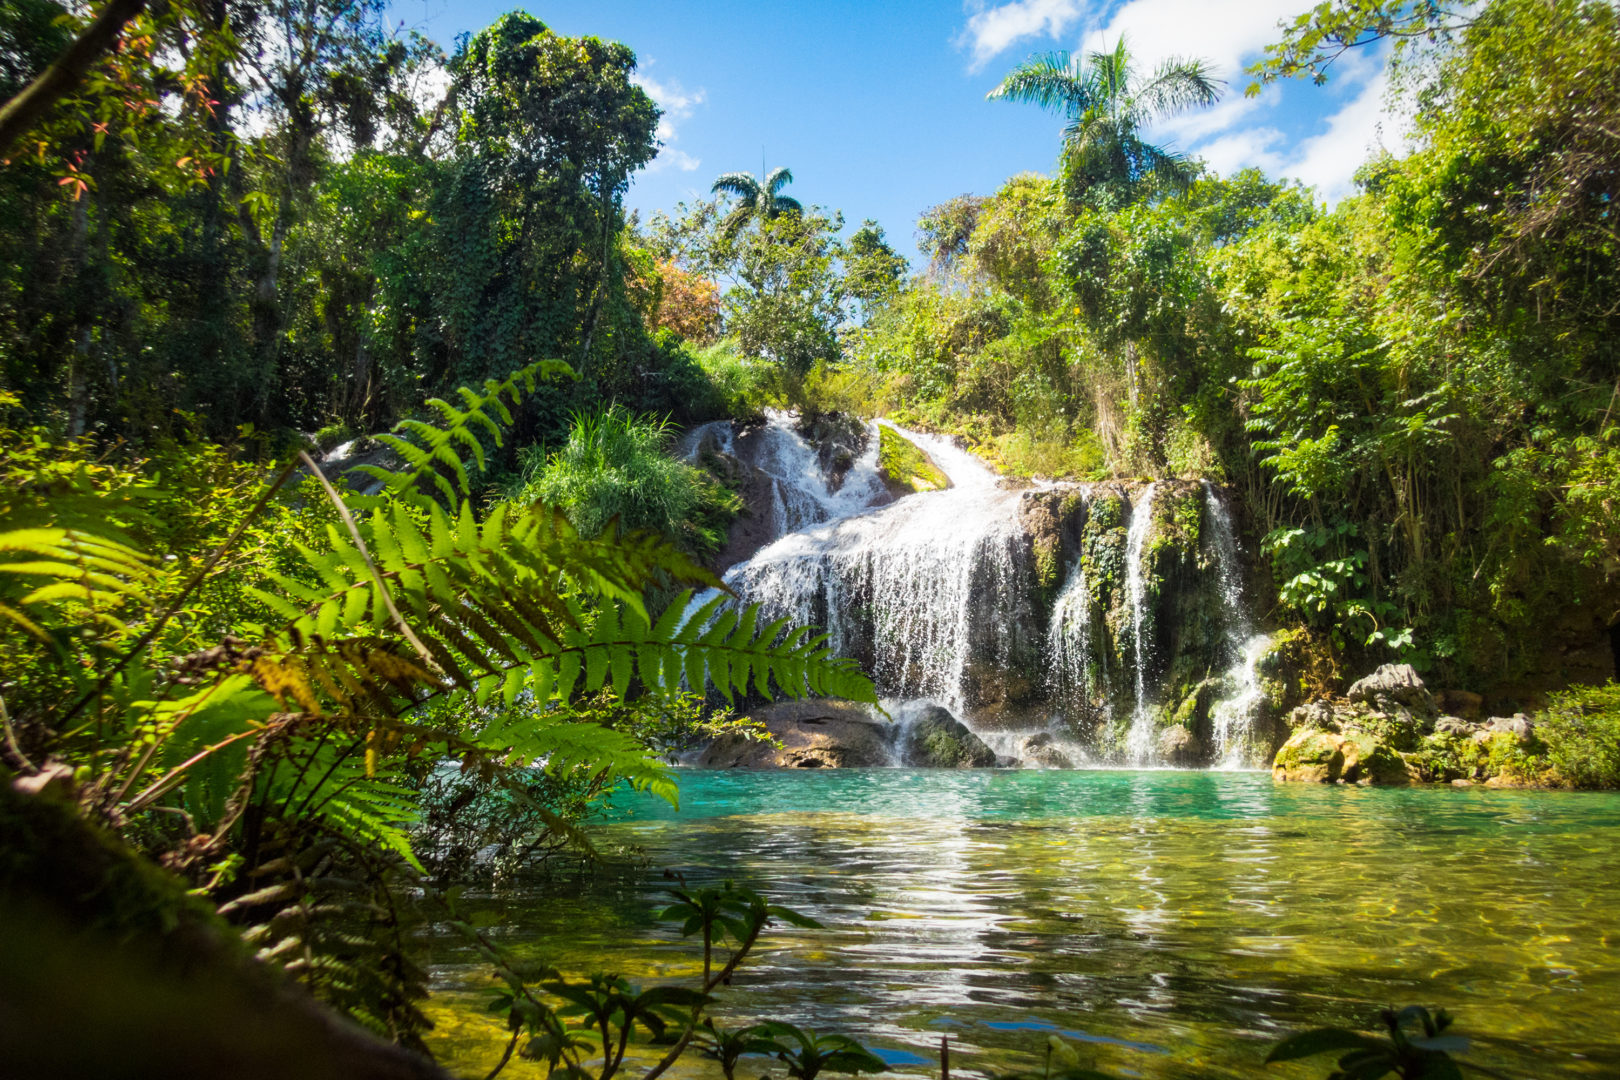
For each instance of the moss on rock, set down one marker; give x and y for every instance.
(904, 466)
(1311, 756)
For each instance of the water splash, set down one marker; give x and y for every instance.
(924, 587)
(1139, 739)
(1069, 646)
(1233, 718)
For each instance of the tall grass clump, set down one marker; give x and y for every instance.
(739, 386)
(616, 464)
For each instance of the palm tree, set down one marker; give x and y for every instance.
(756, 198)
(1107, 102)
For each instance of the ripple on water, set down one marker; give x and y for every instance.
(1175, 922)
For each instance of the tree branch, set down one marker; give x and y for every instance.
(25, 110)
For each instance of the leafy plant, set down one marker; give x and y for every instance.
(285, 757)
(1416, 1048)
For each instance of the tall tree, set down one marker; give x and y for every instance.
(756, 197)
(1107, 103)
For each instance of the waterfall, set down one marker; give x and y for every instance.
(940, 596)
(924, 586)
(1232, 718)
(802, 495)
(1069, 647)
(1139, 740)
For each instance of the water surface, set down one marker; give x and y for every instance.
(1177, 923)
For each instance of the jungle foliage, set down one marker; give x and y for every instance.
(288, 215)
(1416, 393)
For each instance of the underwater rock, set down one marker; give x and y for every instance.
(934, 739)
(820, 734)
(1310, 756)
(1039, 751)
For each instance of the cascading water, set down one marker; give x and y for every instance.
(942, 595)
(932, 577)
(1232, 719)
(1139, 740)
(1070, 648)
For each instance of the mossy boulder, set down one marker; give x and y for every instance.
(905, 467)
(934, 739)
(1369, 760)
(1310, 756)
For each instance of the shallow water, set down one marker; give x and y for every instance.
(1175, 922)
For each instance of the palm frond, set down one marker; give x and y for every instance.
(1179, 84)
(1055, 80)
(744, 186)
(778, 179)
(783, 204)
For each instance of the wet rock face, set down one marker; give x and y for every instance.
(839, 440)
(813, 735)
(935, 739)
(1179, 746)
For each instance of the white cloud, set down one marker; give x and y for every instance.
(1328, 161)
(991, 30)
(677, 104)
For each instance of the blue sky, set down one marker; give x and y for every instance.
(879, 109)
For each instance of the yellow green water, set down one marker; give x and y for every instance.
(1177, 923)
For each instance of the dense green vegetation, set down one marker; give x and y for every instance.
(1415, 392)
(248, 233)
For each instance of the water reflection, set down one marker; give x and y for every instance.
(1173, 921)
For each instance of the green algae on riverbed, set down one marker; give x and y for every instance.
(1176, 922)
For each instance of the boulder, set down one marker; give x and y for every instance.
(1310, 756)
(819, 734)
(905, 467)
(1518, 724)
(1318, 715)
(934, 739)
(1039, 751)
(1394, 688)
(1369, 761)
(1455, 725)
(1179, 746)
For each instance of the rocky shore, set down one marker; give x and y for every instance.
(1390, 729)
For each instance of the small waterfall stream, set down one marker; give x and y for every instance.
(1139, 741)
(939, 594)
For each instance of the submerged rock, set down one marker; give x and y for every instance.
(934, 739)
(820, 734)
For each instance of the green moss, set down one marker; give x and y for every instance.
(902, 464)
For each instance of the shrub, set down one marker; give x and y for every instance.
(1581, 729)
(615, 465)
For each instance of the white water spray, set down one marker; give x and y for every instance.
(1232, 718)
(1139, 739)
